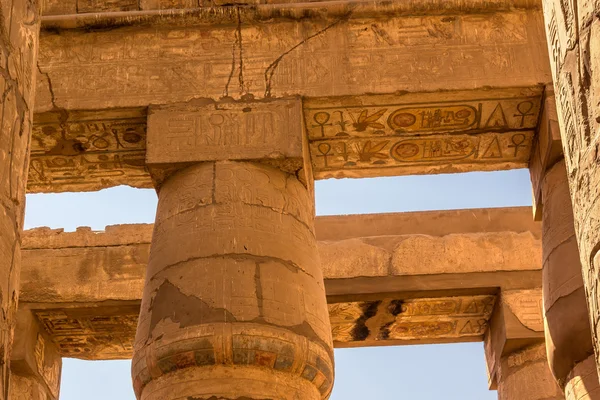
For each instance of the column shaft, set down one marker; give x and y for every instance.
(234, 304)
(573, 30)
(524, 375)
(19, 24)
(567, 328)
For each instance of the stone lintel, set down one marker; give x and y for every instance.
(174, 58)
(546, 151)
(36, 361)
(367, 279)
(344, 136)
(422, 133)
(71, 14)
(516, 323)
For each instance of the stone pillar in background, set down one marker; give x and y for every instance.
(19, 24)
(234, 303)
(524, 375)
(573, 31)
(515, 351)
(567, 328)
(35, 364)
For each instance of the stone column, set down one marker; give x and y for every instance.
(573, 31)
(234, 303)
(567, 328)
(524, 375)
(19, 24)
(515, 351)
(35, 364)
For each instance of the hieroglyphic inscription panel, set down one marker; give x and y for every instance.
(82, 151)
(92, 333)
(106, 333)
(426, 319)
(422, 133)
(225, 131)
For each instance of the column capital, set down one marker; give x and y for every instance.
(269, 131)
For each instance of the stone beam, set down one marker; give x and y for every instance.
(329, 48)
(352, 136)
(386, 287)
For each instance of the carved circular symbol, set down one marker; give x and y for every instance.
(464, 113)
(403, 151)
(131, 136)
(100, 143)
(402, 120)
(216, 119)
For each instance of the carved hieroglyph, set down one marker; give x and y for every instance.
(19, 26)
(422, 133)
(81, 151)
(359, 136)
(427, 319)
(91, 334)
(573, 30)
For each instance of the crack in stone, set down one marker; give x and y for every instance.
(237, 44)
(290, 265)
(270, 70)
(200, 206)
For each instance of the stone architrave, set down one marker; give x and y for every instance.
(234, 303)
(567, 328)
(36, 362)
(573, 31)
(19, 27)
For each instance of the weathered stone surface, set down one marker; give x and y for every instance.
(110, 265)
(61, 7)
(19, 27)
(350, 136)
(582, 382)
(35, 361)
(568, 335)
(82, 151)
(211, 131)
(97, 267)
(395, 321)
(103, 332)
(516, 323)
(315, 50)
(432, 223)
(546, 151)
(573, 30)
(233, 289)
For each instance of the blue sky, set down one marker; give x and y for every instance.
(431, 372)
